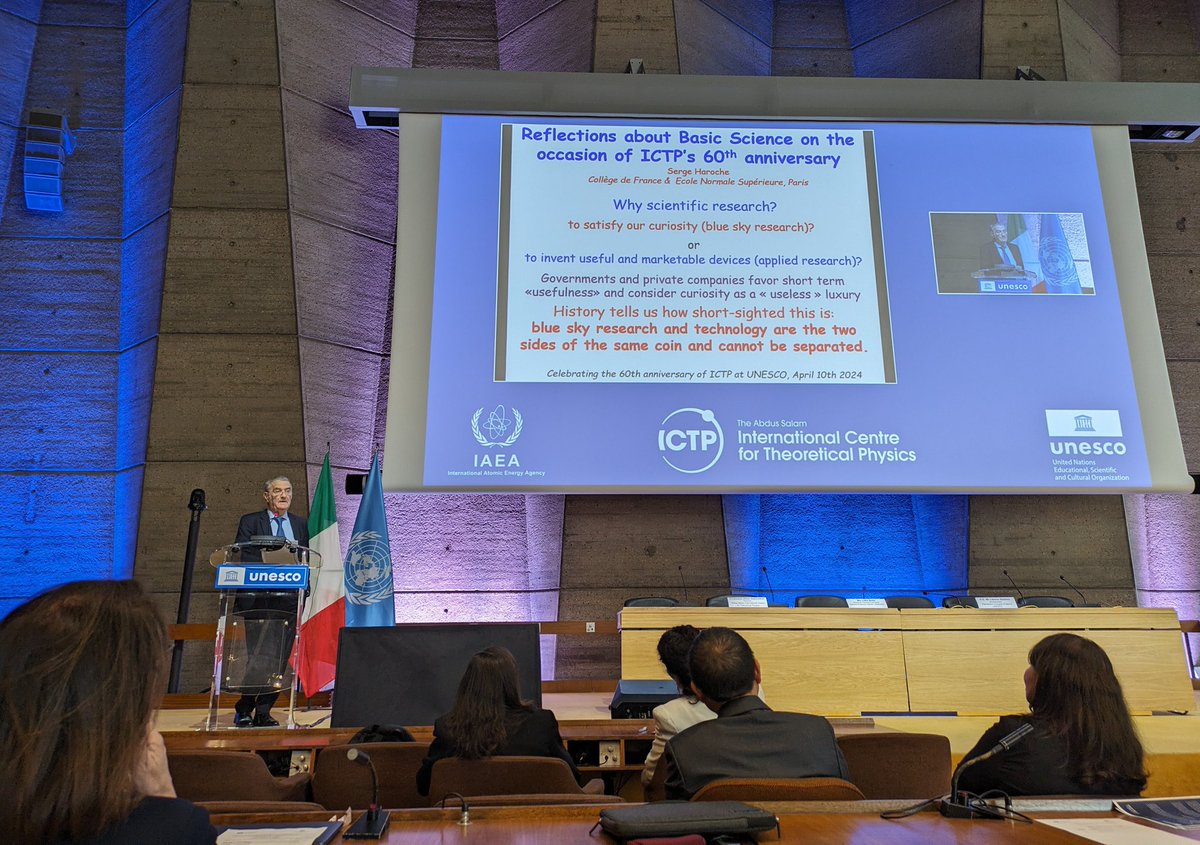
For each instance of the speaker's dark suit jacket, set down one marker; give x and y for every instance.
(750, 740)
(530, 733)
(259, 523)
(989, 256)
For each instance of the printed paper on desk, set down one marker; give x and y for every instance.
(1109, 831)
(995, 602)
(277, 835)
(747, 601)
(867, 603)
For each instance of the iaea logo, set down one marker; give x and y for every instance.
(497, 429)
(691, 440)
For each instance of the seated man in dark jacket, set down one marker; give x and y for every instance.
(747, 739)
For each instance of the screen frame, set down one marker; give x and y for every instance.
(419, 136)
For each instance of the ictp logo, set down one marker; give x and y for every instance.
(693, 442)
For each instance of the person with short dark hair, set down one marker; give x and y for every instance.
(747, 739)
(1084, 741)
(82, 670)
(490, 719)
(681, 713)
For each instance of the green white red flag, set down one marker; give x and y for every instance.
(325, 611)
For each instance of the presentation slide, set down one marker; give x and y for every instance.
(630, 304)
(695, 260)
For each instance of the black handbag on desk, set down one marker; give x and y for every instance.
(676, 818)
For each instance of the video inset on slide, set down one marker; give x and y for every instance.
(698, 253)
(1011, 253)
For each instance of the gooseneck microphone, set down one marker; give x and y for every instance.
(1014, 583)
(1078, 592)
(374, 822)
(957, 806)
(683, 584)
(770, 589)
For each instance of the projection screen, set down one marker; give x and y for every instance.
(633, 303)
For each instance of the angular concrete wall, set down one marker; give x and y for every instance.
(82, 286)
(921, 39)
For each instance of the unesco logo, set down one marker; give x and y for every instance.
(691, 440)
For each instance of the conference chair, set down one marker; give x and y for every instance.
(959, 601)
(778, 789)
(651, 601)
(910, 602)
(504, 776)
(1044, 601)
(723, 601)
(820, 601)
(231, 776)
(338, 783)
(886, 765)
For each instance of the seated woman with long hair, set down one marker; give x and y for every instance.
(489, 719)
(82, 668)
(1084, 741)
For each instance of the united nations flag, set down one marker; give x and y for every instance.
(368, 564)
(1054, 253)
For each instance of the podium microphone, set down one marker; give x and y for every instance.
(1014, 583)
(957, 806)
(374, 822)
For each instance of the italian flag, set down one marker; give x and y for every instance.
(325, 611)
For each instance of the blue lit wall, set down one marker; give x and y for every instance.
(81, 288)
(870, 546)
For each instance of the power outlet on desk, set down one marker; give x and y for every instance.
(300, 762)
(610, 754)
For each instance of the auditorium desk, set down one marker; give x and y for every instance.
(837, 661)
(971, 661)
(572, 826)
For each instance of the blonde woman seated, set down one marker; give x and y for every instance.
(1084, 741)
(489, 719)
(82, 669)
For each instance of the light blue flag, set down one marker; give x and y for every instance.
(1054, 253)
(368, 565)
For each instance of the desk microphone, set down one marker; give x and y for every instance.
(1014, 583)
(957, 806)
(683, 583)
(1078, 592)
(374, 822)
(770, 589)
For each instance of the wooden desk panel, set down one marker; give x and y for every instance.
(972, 663)
(814, 660)
(1045, 619)
(572, 826)
(747, 618)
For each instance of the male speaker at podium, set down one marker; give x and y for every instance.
(253, 709)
